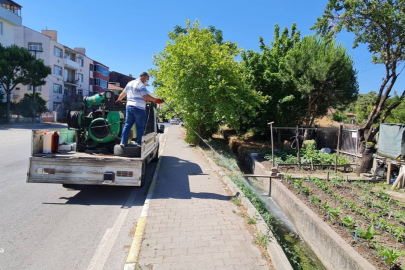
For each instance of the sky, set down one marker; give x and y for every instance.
(124, 35)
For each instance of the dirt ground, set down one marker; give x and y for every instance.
(350, 193)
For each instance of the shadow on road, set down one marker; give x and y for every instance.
(174, 181)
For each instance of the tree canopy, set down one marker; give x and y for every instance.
(322, 72)
(200, 79)
(262, 71)
(25, 106)
(18, 66)
(380, 24)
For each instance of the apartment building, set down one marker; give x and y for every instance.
(10, 17)
(74, 75)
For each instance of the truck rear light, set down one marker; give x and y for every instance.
(125, 174)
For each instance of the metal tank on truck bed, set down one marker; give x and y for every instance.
(89, 152)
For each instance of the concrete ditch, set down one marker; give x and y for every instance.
(334, 252)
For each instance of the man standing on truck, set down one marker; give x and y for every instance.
(137, 95)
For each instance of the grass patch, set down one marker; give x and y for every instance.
(236, 200)
(251, 221)
(262, 240)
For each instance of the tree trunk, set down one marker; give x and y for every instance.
(366, 161)
(8, 106)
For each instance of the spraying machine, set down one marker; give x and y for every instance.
(96, 158)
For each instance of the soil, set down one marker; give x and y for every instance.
(348, 191)
(351, 193)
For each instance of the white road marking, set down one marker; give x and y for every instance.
(111, 234)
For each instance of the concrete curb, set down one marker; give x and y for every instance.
(274, 250)
(334, 252)
(135, 249)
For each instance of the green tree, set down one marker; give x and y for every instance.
(262, 71)
(381, 25)
(363, 106)
(323, 74)
(25, 106)
(17, 66)
(200, 79)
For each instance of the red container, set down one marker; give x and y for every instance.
(55, 142)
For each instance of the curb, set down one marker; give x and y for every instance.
(135, 249)
(274, 250)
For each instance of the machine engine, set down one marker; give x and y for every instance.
(99, 124)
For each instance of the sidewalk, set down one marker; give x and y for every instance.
(192, 222)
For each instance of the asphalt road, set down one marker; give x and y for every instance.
(46, 226)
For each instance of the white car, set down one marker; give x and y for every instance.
(175, 121)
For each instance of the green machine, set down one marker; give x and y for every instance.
(98, 126)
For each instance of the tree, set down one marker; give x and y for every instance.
(381, 25)
(17, 65)
(323, 74)
(199, 78)
(25, 106)
(262, 70)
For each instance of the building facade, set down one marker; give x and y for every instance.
(73, 73)
(100, 77)
(10, 17)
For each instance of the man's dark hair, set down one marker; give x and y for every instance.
(143, 74)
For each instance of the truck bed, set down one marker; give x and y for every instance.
(73, 167)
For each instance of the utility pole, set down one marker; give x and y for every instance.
(34, 86)
(272, 145)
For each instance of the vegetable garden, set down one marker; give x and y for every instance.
(362, 213)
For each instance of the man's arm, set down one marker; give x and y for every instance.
(152, 99)
(121, 96)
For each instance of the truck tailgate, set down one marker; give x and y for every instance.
(85, 170)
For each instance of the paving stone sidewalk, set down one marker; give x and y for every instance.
(192, 222)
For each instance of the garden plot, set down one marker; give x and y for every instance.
(362, 213)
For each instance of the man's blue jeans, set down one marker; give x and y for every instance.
(137, 116)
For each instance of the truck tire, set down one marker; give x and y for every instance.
(129, 150)
(156, 157)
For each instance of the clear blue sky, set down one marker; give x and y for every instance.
(125, 34)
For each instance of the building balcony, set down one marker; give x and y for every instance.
(73, 98)
(11, 13)
(70, 64)
(71, 81)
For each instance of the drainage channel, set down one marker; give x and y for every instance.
(289, 239)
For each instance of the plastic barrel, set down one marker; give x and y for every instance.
(47, 147)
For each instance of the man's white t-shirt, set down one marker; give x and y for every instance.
(135, 90)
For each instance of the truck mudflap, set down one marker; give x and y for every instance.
(85, 171)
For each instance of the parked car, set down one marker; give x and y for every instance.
(175, 121)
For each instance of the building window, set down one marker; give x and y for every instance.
(91, 67)
(57, 70)
(35, 47)
(91, 81)
(66, 91)
(37, 89)
(57, 88)
(58, 52)
(1, 28)
(99, 82)
(80, 77)
(101, 69)
(57, 106)
(81, 61)
(80, 92)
